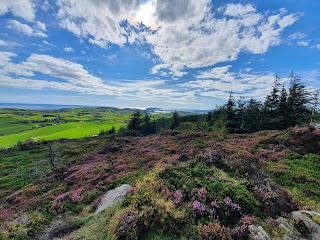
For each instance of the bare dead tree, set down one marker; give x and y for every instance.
(314, 100)
(52, 155)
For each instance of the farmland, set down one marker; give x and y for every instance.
(21, 125)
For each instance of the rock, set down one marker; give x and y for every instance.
(57, 229)
(257, 233)
(286, 237)
(112, 196)
(313, 228)
(292, 232)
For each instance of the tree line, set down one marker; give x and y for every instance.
(281, 109)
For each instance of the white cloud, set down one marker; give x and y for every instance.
(303, 43)
(70, 76)
(218, 82)
(318, 46)
(42, 26)
(68, 49)
(184, 34)
(26, 29)
(20, 8)
(99, 21)
(217, 73)
(48, 43)
(297, 35)
(238, 10)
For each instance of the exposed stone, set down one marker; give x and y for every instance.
(313, 228)
(57, 229)
(292, 232)
(258, 233)
(112, 196)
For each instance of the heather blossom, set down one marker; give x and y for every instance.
(202, 194)
(177, 196)
(232, 205)
(214, 204)
(198, 208)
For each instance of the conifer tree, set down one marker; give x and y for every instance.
(253, 114)
(271, 105)
(175, 120)
(283, 108)
(135, 121)
(297, 102)
(231, 123)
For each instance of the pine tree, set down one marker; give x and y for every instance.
(283, 108)
(175, 120)
(135, 121)
(210, 118)
(240, 114)
(231, 123)
(253, 114)
(148, 126)
(271, 105)
(297, 102)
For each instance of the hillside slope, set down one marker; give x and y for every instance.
(192, 185)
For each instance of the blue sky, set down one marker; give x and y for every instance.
(173, 54)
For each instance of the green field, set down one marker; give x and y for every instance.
(65, 130)
(20, 125)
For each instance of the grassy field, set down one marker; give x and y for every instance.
(20, 125)
(64, 130)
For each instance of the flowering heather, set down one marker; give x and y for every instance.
(239, 232)
(317, 132)
(177, 196)
(127, 225)
(214, 204)
(198, 208)
(202, 194)
(232, 205)
(248, 220)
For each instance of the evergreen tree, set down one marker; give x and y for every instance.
(297, 102)
(253, 115)
(148, 126)
(135, 121)
(175, 120)
(240, 114)
(231, 123)
(210, 118)
(283, 108)
(271, 105)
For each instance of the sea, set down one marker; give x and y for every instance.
(30, 106)
(34, 106)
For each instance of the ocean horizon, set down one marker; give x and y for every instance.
(35, 106)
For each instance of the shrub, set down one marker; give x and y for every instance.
(198, 208)
(128, 226)
(177, 197)
(214, 231)
(202, 194)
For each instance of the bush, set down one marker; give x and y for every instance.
(214, 231)
(209, 198)
(128, 226)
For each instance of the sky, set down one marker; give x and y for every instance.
(172, 54)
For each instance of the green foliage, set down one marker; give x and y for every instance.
(135, 121)
(175, 120)
(190, 179)
(301, 175)
(200, 143)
